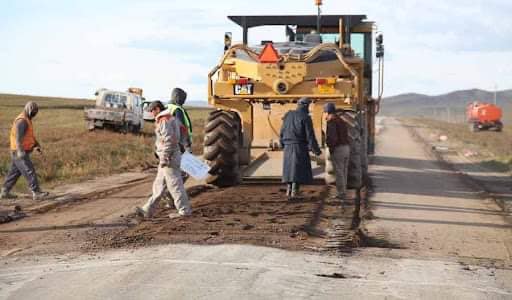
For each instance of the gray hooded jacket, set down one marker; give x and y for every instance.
(31, 109)
(168, 139)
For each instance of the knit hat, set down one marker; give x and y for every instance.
(178, 96)
(330, 108)
(304, 101)
(156, 104)
(31, 109)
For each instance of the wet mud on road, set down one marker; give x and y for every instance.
(248, 214)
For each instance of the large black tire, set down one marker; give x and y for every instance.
(221, 145)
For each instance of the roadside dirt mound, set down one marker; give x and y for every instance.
(258, 215)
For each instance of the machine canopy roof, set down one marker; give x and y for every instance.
(301, 21)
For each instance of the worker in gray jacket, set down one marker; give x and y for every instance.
(169, 134)
(22, 143)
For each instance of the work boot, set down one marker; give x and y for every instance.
(141, 213)
(296, 196)
(7, 195)
(176, 215)
(295, 192)
(288, 191)
(38, 195)
(339, 197)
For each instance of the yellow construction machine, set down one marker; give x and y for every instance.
(326, 58)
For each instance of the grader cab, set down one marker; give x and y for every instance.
(327, 59)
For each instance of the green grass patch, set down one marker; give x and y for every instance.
(71, 152)
(494, 147)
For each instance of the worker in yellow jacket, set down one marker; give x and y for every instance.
(22, 143)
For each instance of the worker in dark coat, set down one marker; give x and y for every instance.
(298, 138)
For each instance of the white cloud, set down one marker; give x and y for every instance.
(432, 46)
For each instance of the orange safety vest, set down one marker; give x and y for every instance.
(29, 141)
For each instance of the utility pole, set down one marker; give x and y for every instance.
(318, 3)
(495, 91)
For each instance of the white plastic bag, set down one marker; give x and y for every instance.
(194, 166)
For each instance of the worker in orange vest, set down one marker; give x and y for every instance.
(23, 142)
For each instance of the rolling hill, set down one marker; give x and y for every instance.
(449, 107)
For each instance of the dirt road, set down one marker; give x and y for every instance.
(248, 214)
(430, 210)
(428, 235)
(258, 215)
(67, 228)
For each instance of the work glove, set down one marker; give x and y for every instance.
(21, 154)
(164, 163)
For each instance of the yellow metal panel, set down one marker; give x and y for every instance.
(249, 69)
(292, 73)
(268, 123)
(331, 80)
(342, 88)
(317, 113)
(326, 89)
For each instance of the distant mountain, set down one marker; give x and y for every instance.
(450, 106)
(404, 97)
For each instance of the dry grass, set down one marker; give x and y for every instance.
(71, 153)
(495, 147)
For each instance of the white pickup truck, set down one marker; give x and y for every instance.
(148, 116)
(116, 110)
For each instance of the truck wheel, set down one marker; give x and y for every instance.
(221, 144)
(473, 127)
(134, 128)
(499, 126)
(125, 128)
(90, 125)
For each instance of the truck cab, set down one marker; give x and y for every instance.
(116, 110)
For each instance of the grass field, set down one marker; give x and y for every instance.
(495, 148)
(70, 152)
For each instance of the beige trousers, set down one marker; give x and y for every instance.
(170, 177)
(340, 159)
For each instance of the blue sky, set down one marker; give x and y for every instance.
(71, 48)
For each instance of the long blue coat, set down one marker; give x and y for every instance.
(298, 138)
